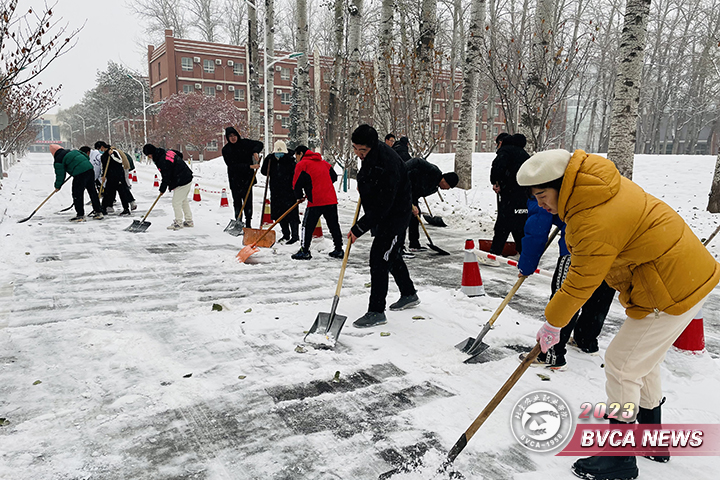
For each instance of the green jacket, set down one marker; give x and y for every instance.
(73, 162)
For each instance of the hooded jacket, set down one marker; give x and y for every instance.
(402, 148)
(638, 244)
(173, 170)
(74, 162)
(537, 229)
(315, 177)
(238, 157)
(281, 171)
(424, 178)
(512, 201)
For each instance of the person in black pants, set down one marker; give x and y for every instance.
(279, 166)
(76, 164)
(313, 179)
(241, 158)
(115, 179)
(511, 198)
(387, 206)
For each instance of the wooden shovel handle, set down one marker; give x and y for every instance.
(428, 206)
(247, 195)
(102, 181)
(151, 207)
(267, 182)
(347, 253)
(424, 229)
(273, 225)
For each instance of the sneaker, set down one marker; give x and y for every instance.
(406, 254)
(109, 210)
(549, 360)
(175, 225)
(571, 342)
(337, 253)
(407, 301)
(606, 468)
(292, 241)
(490, 262)
(418, 249)
(370, 319)
(283, 239)
(96, 215)
(133, 205)
(302, 254)
(188, 223)
(125, 213)
(78, 218)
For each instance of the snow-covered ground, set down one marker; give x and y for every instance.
(114, 365)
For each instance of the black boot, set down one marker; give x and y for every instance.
(606, 468)
(653, 416)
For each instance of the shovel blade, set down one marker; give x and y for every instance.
(437, 249)
(434, 221)
(252, 236)
(325, 330)
(465, 345)
(245, 253)
(235, 228)
(138, 226)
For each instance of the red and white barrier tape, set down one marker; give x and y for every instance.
(211, 191)
(514, 263)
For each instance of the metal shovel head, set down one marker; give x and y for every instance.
(434, 221)
(325, 331)
(137, 226)
(246, 252)
(235, 228)
(437, 249)
(252, 235)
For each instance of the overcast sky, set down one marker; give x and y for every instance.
(111, 32)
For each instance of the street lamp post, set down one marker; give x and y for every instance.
(144, 107)
(83, 124)
(268, 141)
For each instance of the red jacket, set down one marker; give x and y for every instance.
(315, 177)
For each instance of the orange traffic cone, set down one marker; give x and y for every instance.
(471, 284)
(156, 183)
(693, 337)
(134, 179)
(223, 199)
(266, 217)
(317, 233)
(196, 195)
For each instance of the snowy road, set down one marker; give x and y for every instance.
(113, 364)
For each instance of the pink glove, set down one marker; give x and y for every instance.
(547, 336)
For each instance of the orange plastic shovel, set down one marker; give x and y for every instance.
(247, 251)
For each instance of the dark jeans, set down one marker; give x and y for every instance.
(115, 183)
(588, 322)
(385, 258)
(414, 231)
(82, 182)
(238, 194)
(501, 236)
(310, 219)
(290, 226)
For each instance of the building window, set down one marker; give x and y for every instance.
(284, 73)
(495, 131)
(187, 88)
(285, 122)
(239, 69)
(239, 95)
(208, 66)
(436, 129)
(436, 108)
(159, 73)
(286, 98)
(210, 91)
(212, 146)
(187, 64)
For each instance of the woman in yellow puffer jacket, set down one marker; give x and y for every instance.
(644, 250)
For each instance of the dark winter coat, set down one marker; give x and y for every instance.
(238, 157)
(424, 178)
(281, 172)
(402, 148)
(512, 199)
(73, 162)
(537, 228)
(315, 177)
(385, 193)
(173, 170)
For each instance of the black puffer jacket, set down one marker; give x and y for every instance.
(281, 182)
(402, 148)
(238, 157)
(173, 169)
(512, 199)
(385, 193)
(424, 178)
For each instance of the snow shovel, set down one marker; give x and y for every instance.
(480, 419)
(267, 182)
(43, 203)
(431, 245)
(326, 328)
(66, 208)
(475, 346)
(247, 251)
(235, 227)
(138, 226)
(430, 219)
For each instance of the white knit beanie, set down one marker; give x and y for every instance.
(543, 167)
(280, 147)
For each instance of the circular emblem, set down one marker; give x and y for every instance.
(541, 421)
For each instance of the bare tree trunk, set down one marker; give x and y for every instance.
(384, 60)
(455, 55)
(333, 97)
(714, 200)
(354, 26)
(468, 107)
(208, 18)
(623, 127)
(270, 85)
(303, 73)
(234, 14)
(255, 93)
(425, 54)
